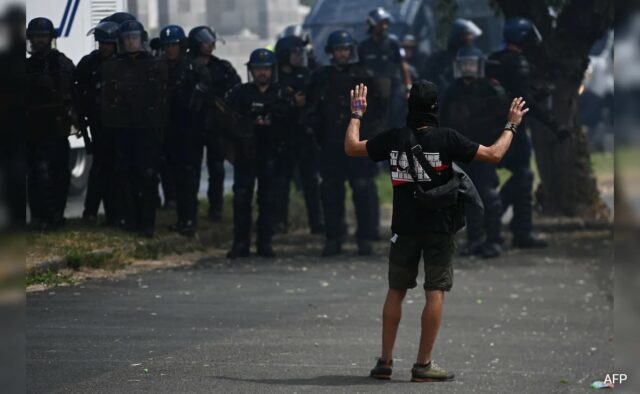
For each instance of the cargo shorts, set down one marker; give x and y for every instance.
(436, 249)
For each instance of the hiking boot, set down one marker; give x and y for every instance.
(430, 372)
(528, 242)
(382, 370)
(332, 247)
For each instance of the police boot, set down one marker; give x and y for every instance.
(332, 247)
(473, 248)
(188, 229)
(365, 247)
(528, 241)
(265, 250)
(215, 215)
(238, 250)
(491, 250)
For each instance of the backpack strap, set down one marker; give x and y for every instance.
(415, 149)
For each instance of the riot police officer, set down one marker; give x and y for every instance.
(214, 78)
(383, 57)
(516, 74)
(88, 79)
(134, 96)
(476, 107)
(329, 106)
(440, 65)
(299, 32)
(413, 58)
(182, 147)
(172, 48)
(301, 150)
(267, 106)
(49, 116)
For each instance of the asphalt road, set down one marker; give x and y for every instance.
(534, 322)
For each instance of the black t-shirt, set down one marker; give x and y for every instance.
(441, 146)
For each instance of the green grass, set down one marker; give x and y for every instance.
(49, 278)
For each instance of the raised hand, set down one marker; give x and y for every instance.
(517, 110)
(359, 99)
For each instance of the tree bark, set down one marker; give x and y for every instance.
(568, 186)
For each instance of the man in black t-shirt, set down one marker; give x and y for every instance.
(417, 229)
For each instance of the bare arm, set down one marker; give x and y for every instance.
(352, 144)
(406, 74)
(495, 152)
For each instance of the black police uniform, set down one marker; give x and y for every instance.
(329, 117)
(515, 74)
(214, 80)
(137, 161)
(183, 145)
(301, 153)
(384, 60)
(88, 80)
(255, 159)
(477, 109)
(48, 104)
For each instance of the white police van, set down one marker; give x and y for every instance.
(73, 19)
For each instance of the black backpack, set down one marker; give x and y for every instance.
(439, 197)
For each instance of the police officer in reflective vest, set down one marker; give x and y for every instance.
(267, 106)
(328, 116)
(214, 78)
(88, 79)
(301, 150)
(476, 107)
(49, 109)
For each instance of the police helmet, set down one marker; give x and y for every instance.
(106, 31)
(172, 34)
(342, 39)
(521, 31)
(130, 27)
(468, 63)
(41, 27)
(295, 31)
(202, 35)
(261, 57)
(377, 16)
(120, 17)
(288, 45)
(409, 40)
(460, 29)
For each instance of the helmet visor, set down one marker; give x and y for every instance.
(205, 36)
(468, 67)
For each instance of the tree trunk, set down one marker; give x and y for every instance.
(568, 186)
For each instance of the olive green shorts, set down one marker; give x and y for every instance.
(437, 250)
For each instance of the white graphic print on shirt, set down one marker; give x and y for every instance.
(400, 167)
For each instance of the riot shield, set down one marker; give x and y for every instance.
(134, 93)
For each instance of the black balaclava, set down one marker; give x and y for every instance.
(423, 104)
